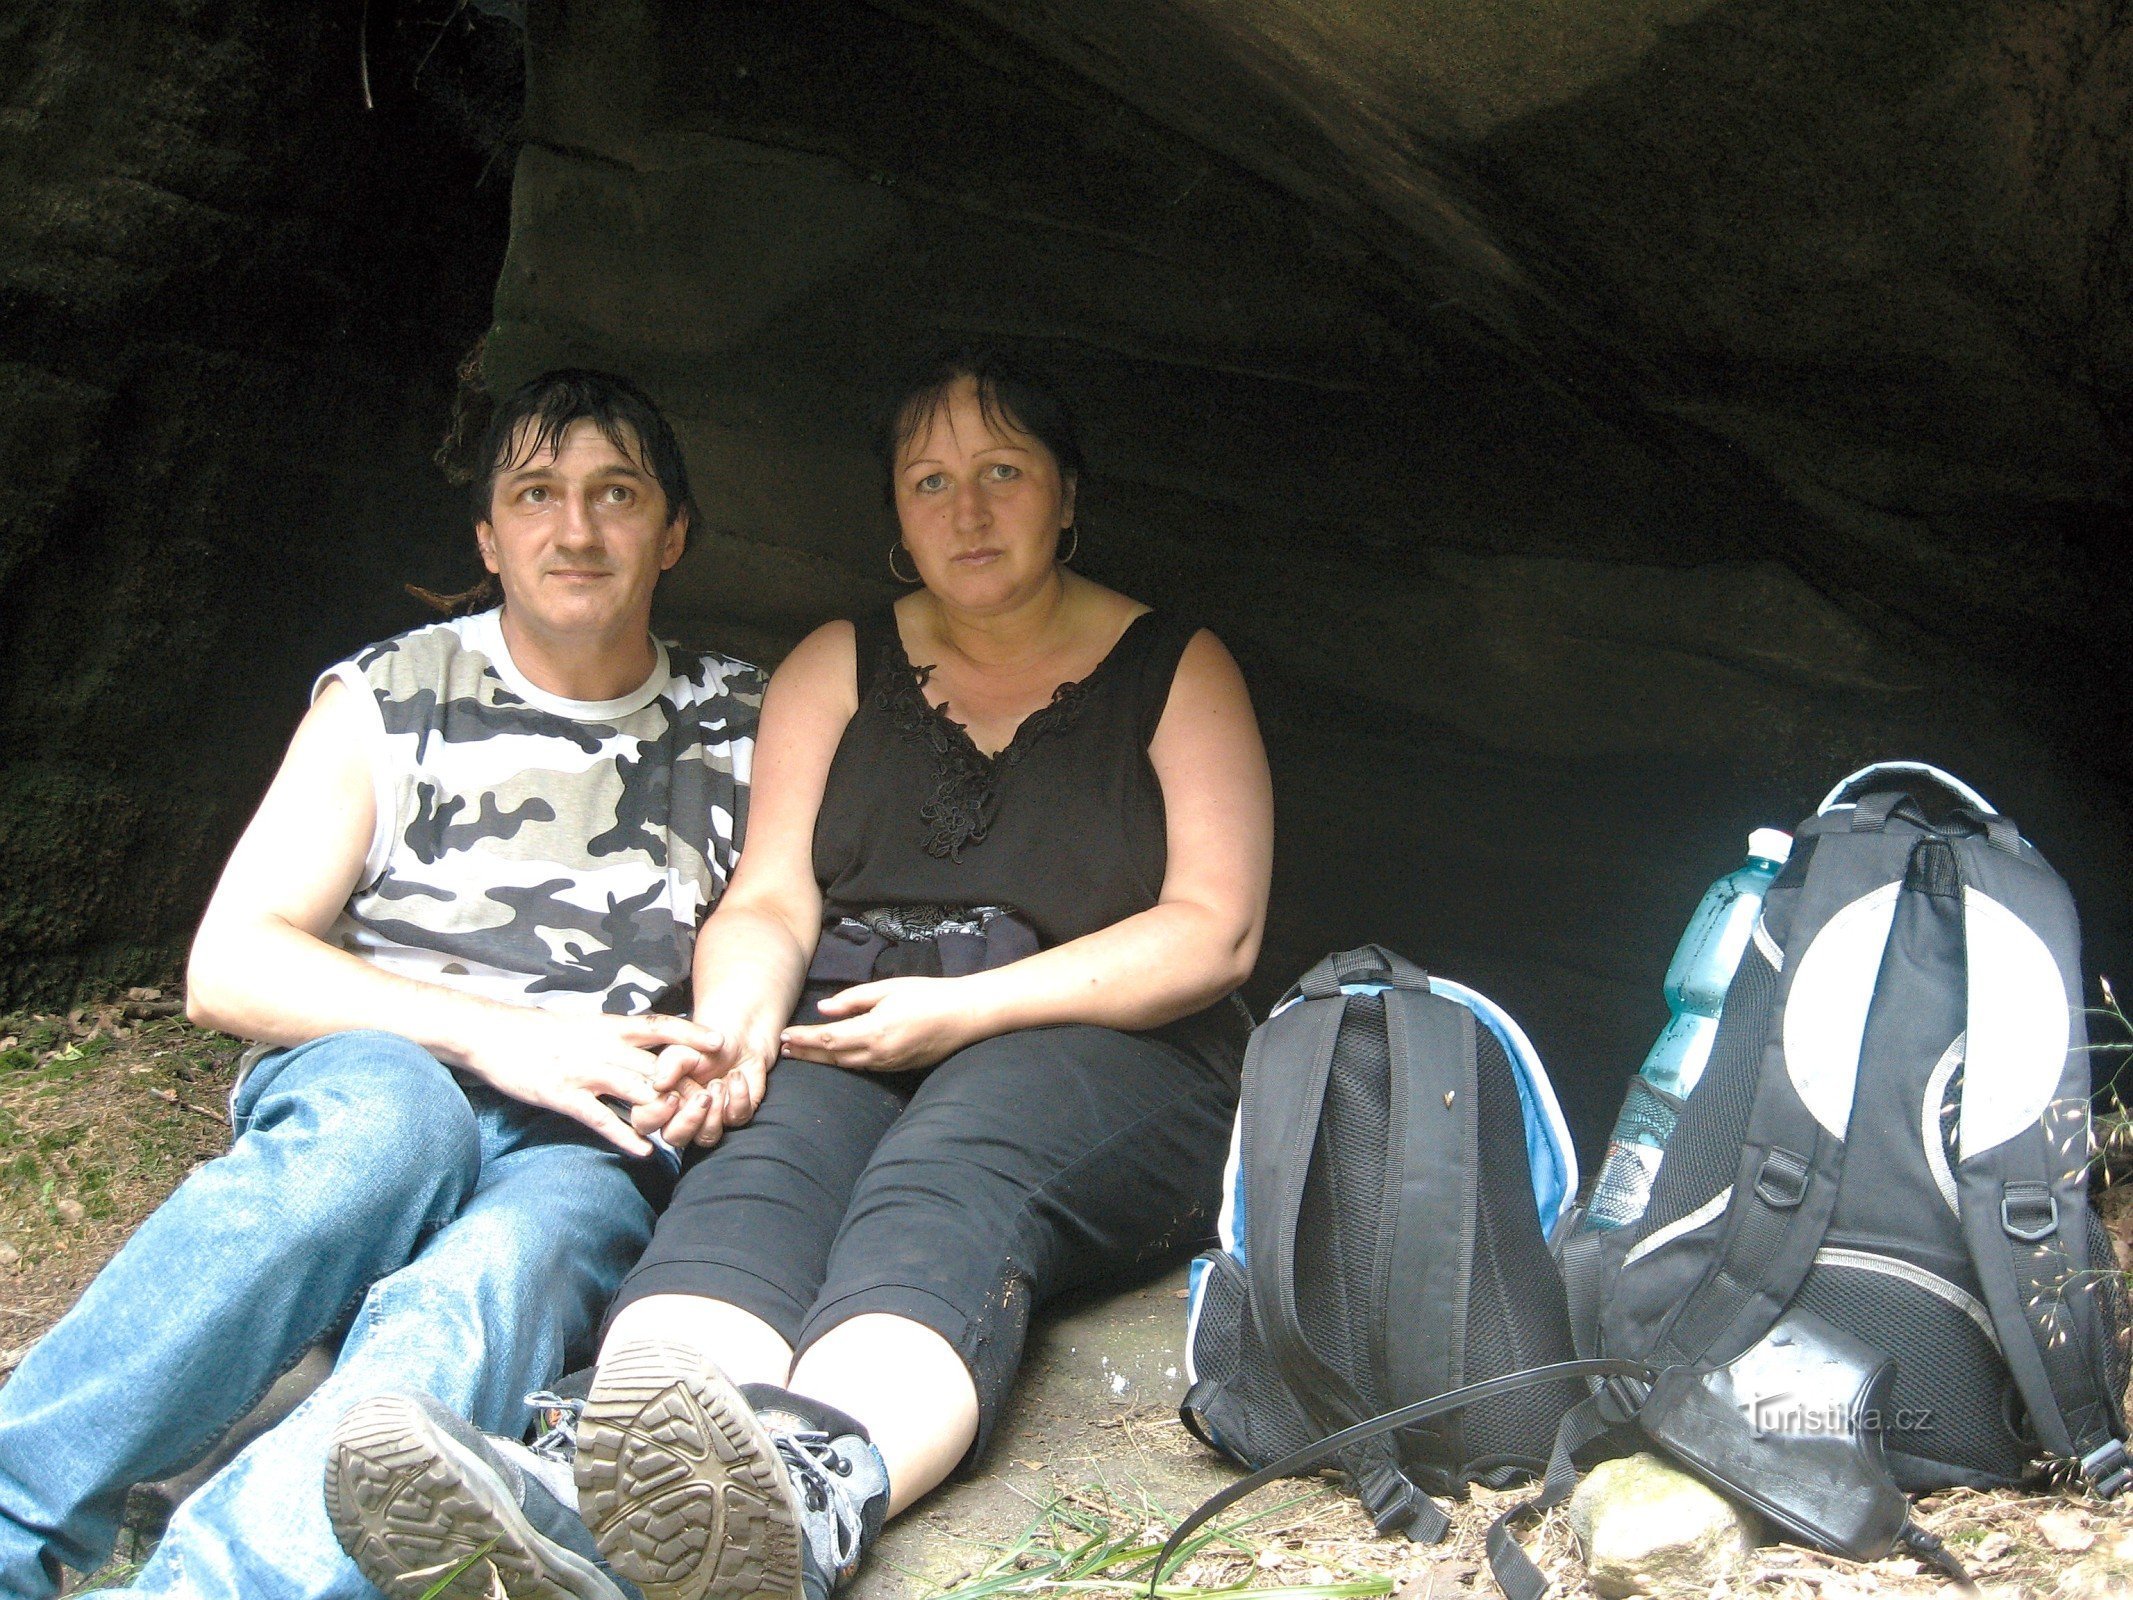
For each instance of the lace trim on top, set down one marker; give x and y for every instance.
(966, 793)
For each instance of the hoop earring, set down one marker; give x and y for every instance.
(1073, 549)
(900, 578)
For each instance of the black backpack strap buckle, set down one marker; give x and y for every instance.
(2106, 1469)
(1397, 1506)
(1616, 1401)
(1782, 1182)
(2029, 1212)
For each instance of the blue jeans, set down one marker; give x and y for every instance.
(475, 1239)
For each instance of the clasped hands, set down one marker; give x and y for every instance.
(890, 1025)
(629, 1078)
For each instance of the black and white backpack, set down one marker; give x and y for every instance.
(1893, 1133)
(1398, 1166)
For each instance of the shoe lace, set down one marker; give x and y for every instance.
(815, 1464)
(558, 1418)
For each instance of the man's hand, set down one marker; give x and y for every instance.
(575, 1064)
(890, 1025)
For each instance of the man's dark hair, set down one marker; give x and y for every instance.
(531, 420)
(1010, 399)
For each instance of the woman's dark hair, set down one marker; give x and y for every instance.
(1009, 398)
(530, 421)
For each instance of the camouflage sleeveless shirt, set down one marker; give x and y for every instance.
(538, 850)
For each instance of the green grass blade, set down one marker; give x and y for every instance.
(452, 1577)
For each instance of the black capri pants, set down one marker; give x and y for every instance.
(959, 1196)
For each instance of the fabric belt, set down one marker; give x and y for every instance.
(918, 941)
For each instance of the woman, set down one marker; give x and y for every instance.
(1007, 860)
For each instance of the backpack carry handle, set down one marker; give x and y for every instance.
(1910, 769)
(1369, 963)
(1872, 814)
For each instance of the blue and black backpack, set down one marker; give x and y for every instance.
(1398, 1147)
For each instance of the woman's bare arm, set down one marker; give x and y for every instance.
(753, 951)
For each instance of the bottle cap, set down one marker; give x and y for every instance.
(1771, 844)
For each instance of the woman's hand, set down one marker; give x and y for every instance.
(891, 1025)
(711, 1090)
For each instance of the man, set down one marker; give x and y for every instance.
(474, 880)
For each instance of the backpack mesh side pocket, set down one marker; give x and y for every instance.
(1950, 1408)
(1245, 1409)
(2106, 1291)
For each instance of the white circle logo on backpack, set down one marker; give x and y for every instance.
(1825, 1013)
(2020, 1026)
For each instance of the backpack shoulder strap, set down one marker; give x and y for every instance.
(2022, 1159)
(1785, 1183)
(1286, 1069)
(1432, 1174)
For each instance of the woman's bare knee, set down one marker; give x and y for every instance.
(745, 1347)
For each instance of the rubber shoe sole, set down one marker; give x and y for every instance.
(409, 1503)
(680, 1484)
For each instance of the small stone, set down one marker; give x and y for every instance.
(10, 1257)
(1649, 1529)
(2066, 1529)
(70, 1211)
(1995, 1547)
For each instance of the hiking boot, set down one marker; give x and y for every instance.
(413, 1492)
(695, 1490)
(837, 1475)
(555, 1414)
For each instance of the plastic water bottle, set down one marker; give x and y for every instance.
(1696, 983)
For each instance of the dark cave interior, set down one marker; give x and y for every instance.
(1594, 433)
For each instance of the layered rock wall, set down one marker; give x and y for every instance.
(231, 303)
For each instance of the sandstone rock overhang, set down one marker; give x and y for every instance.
(1594, 427)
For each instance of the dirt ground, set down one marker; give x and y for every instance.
(104, 1111)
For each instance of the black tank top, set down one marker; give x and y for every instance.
(1065, 823)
